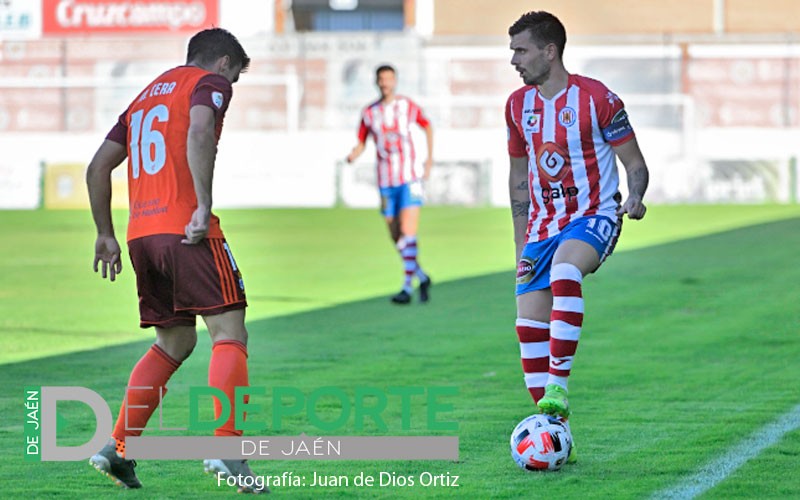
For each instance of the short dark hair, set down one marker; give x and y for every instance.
(543, 27)
(382, 68)
(209, 45)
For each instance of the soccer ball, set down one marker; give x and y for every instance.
(541, 442)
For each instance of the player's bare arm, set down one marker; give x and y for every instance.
(201, 152)
(638, 178)
(520, 200)
(98, 182)
(429, 161)
(356, 152)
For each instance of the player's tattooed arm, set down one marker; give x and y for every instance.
(520, 199)
(520, 208)
(638, 178)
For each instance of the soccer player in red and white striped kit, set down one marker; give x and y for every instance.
(388, 120)
(565, 132)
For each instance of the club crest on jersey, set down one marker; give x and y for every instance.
(217, 99)
(525, 270)
(566, 117)
(552, 161)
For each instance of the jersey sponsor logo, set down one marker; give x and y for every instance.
(556, 193)
(217, 99)
(552, 161)
(567, 116)
(525, 270)
(619, 127)
(612, 97)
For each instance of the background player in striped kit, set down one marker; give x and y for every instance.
(183, 265)
(388, 120)
(564, 134)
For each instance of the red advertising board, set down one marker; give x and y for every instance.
(88, 17)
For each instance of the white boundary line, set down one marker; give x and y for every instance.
(718, 470)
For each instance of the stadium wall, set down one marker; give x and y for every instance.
(277, 169)
(623, 17)
(255, 169)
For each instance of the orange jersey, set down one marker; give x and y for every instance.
(155, 128)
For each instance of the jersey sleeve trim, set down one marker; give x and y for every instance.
(119, 132)
(214, 91)
(517, 147)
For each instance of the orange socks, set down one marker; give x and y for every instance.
(146, 387)
(226, 371)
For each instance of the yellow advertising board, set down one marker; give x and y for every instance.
(65, 186)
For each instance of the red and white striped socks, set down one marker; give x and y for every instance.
(547, 349)
(566, 320)
(407, 246)
(534, 348)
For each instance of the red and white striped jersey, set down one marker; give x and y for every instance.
(572, 168)
(390, 127)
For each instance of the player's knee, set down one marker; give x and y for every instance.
(188, 350)
(528, 319)
(566, 270)
(178, 347)
(229, 332)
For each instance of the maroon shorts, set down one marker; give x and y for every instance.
(176, 282)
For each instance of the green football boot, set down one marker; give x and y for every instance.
(573, 454)
(554, 401)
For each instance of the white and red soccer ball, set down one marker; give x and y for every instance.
(541, 442)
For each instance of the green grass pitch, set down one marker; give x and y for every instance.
(690, 344)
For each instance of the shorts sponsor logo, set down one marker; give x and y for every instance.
(415, 190)
(552, 161)
(566, 117)
(525, 270)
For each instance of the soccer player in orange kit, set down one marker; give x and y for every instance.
(183, 265)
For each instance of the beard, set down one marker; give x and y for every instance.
(538, 78)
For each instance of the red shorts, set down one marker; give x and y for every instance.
(176, 282)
